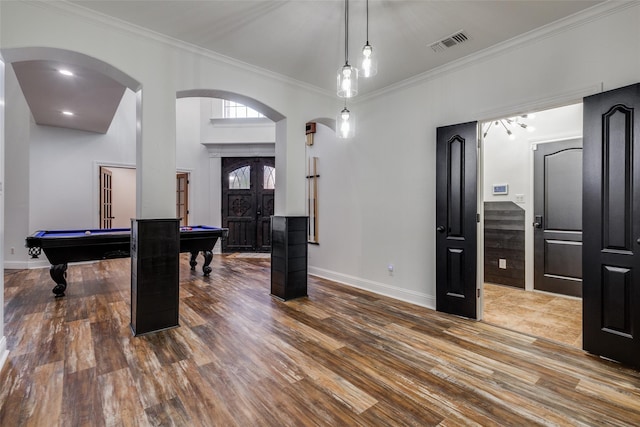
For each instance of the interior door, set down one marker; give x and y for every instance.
(106, 199)
(247, 203)
(558, 217)
(182, 198)
(611, 218)
(456, 219)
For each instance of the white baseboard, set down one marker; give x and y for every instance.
(413, 297)
(23, 265)
(4, 353)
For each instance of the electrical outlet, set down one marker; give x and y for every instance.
(502, 263)
(519, 198)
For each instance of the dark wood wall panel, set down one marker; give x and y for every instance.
(504, 239)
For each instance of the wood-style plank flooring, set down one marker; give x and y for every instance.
(552, 316)
(340, 357)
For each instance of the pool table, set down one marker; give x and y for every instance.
(64, 246)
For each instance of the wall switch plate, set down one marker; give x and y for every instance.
(502, 263)
(519, 198)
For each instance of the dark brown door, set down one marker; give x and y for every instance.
(248, 185)
(106, 200)
(456, 219)
(557, 182)
(182, 198)
(611, 219)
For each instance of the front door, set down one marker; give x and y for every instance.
(456, 219)
(557, 183)
(248, 185)
(611, 225)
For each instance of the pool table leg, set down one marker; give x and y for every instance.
(192, 261)
(208, 256)
(58, 273)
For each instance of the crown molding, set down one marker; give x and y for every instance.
(111, 22)
(584, 17)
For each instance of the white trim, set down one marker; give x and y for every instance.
(95, 190)
(541, 103)
(113, 22)
(248, 122)
(413, 297)
(4, 353)
(581, 18)
(260, 149)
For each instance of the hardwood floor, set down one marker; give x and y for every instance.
(241, 358)
(544, 315)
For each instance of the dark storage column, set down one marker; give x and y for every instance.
(289, 256)
(155, 249)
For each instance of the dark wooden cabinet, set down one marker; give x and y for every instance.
(289, 256)
(155, 246)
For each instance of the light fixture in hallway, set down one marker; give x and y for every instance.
(347, 74)
(369, 59)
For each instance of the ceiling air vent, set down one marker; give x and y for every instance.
(449, 41)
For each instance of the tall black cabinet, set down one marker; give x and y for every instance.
(155, 250)
(289, 256)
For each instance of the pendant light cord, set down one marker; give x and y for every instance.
(367, 21)
(346, 32)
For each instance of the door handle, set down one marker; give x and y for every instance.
(538, 221)
(440, 229)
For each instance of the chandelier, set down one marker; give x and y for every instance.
(510, 123)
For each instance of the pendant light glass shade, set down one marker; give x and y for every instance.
(369, 64)
(347, 81)
(345, 124)
(347, 75)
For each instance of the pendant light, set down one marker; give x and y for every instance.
(345, 123)
(369, 64)
(347, 75)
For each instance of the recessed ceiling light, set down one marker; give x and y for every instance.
(67, 113)
(65, 72)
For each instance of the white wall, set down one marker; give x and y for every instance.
(386, 208)
(64, 169)
(3, 340)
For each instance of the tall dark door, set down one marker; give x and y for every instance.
(456, 219)
(611, 218)
(248, 185)
(106, 199)
(557, 183)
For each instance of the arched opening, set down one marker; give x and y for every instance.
(209, 142)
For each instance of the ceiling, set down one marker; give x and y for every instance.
(304, 39)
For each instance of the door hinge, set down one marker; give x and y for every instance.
(478, 218)
(479, 292)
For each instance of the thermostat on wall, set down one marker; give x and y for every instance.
(500, 188)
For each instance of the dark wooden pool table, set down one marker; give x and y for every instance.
(65, 246)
